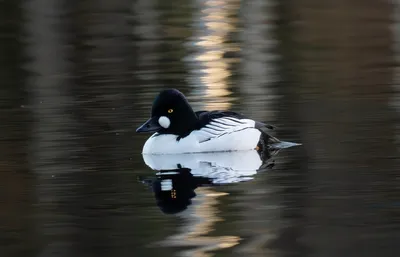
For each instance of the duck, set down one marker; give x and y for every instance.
(178, 129)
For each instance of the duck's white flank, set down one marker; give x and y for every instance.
(222, 134)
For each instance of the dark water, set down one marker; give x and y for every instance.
(77, 78)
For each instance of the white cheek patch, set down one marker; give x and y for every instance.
(164, 122)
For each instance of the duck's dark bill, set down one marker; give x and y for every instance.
(151, 125)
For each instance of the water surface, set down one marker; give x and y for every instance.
(77, 78)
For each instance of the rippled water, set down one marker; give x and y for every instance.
(78, 77)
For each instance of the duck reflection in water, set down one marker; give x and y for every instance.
(177, 176)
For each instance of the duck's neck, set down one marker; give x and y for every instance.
(191, 123)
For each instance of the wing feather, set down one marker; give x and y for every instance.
(220, 126)
(211, 131)
(213, 127)
(229, 122)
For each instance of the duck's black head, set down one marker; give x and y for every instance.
(171, 114)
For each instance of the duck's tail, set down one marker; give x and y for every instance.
(265, 151)
(265, 132)
(267, 142)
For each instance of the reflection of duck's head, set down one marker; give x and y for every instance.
(174, 189)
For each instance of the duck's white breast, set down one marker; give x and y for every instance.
(240, 140)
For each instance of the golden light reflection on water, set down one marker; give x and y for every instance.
(210, 73)
(213, 80)
(199, 221)
(211, 70)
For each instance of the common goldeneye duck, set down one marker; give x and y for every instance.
(179, 129)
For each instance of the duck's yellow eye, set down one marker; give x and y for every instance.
(170, 110)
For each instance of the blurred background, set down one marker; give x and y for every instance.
(78, 77)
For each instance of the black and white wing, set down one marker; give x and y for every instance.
(219, 123)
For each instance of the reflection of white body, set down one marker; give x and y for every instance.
(229, 135)
(223, 167)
